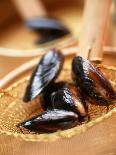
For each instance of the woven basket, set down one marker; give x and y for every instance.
(97, 137)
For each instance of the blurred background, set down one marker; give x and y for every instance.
(14, 34)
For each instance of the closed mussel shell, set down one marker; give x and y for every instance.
(44, 74)
(51, 121)
(48, 29)
(46, 95)
(69, 99)
(92, 81)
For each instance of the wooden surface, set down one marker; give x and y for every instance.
(7, 13)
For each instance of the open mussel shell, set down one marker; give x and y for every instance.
(48, 29)
(92, 81)
(45, 98)
(51, 121)
(68, 100)
(45, 72)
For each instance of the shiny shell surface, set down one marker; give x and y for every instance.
(45, 72)
(51, 121)
(92, 81)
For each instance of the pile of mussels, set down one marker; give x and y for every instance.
(65, 104)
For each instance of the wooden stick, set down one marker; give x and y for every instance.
(39, 52)
(94, 28)
(30, 8)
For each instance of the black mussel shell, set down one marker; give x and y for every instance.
(51, 121)
(46, 95)
(48, 29)
(77, 92)
(45, 73)
(92, 81)
(68, 100)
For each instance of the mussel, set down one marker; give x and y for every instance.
(92, 81)
(48, 29)
(51, 121)
(69, 99)
(44, 74)
(45, 98)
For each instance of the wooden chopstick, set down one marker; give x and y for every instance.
(96, 14)
(30, 8)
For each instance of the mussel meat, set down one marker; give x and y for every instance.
(48, 29)
(92, 81)
(51, 121)
(45, 73)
